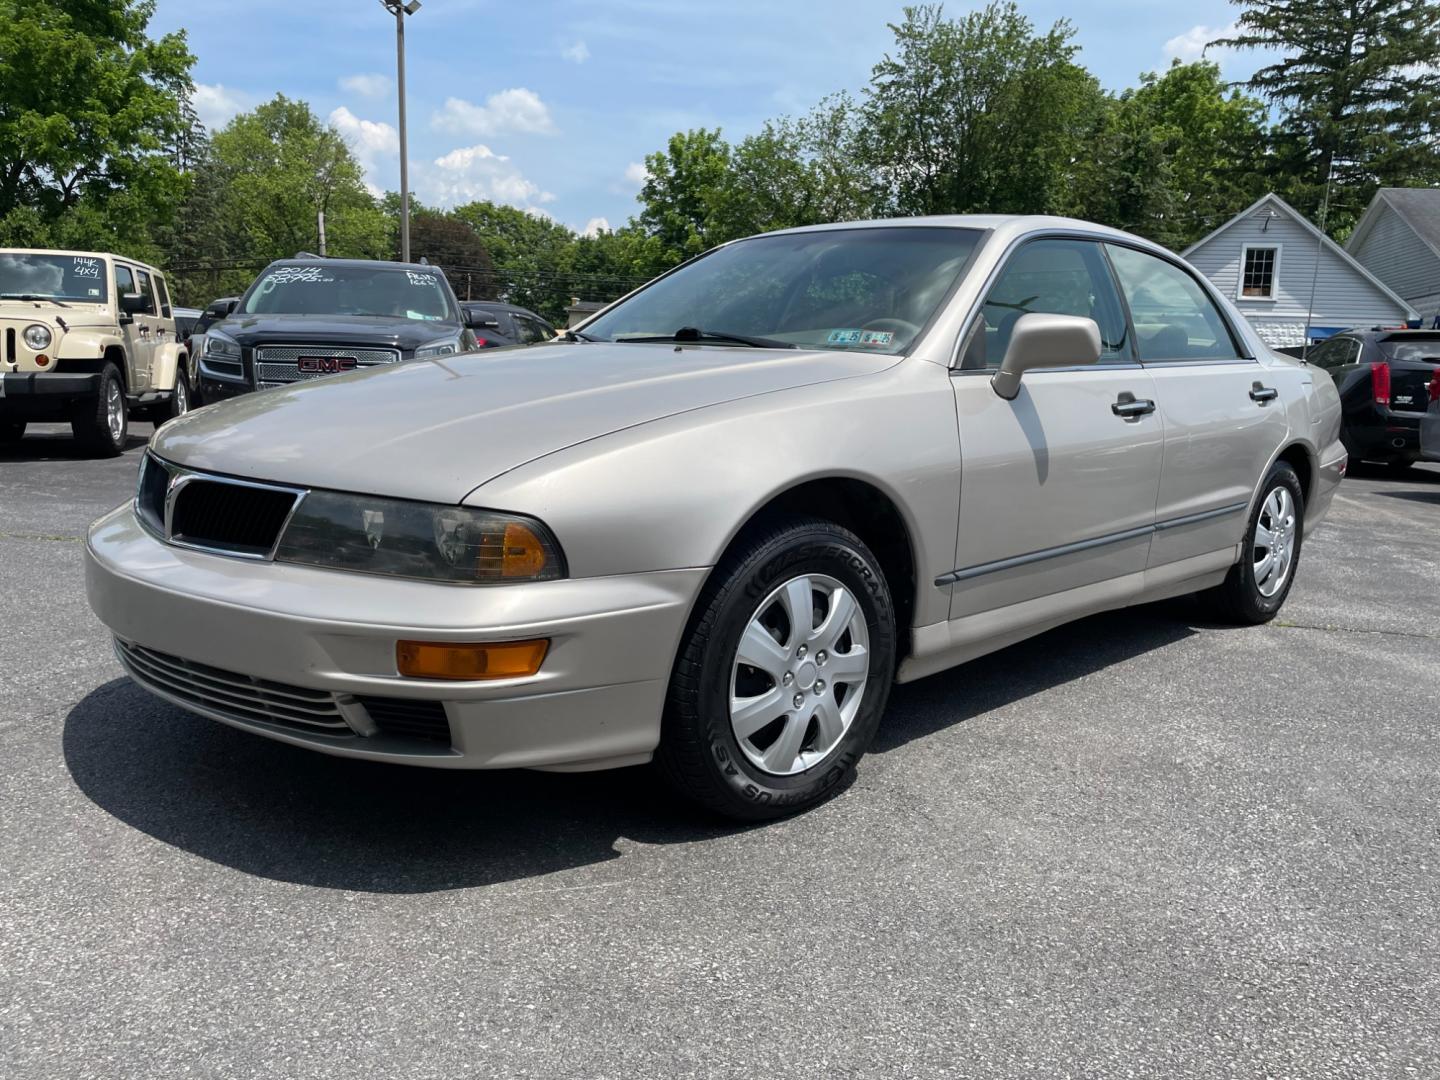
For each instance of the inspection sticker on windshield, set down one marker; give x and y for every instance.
(872, 338)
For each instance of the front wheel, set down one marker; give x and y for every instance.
(783, 674)
(102, 425)
(1257, 585)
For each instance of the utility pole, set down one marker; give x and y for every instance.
(400, 9)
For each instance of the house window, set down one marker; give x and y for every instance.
(1258, 268)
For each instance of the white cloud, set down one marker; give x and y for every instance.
(1190, 46)
(367, 85)
(371, 140)
(577, 52)
(595, 226)
(636, 174)
(217, 106)
(517, 110)
(475, 172)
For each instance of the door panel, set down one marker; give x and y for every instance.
(1218, 441)
(137, 344)
(1053, 469)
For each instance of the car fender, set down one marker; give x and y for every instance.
(672, 493)
(87, 343)
(169, 357)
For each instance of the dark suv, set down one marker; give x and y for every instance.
(309, 316)
(498, 323)
(1384, 378)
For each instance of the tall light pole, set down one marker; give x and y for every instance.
(400, 9)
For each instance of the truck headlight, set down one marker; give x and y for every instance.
(220, 347)
(419, 540)
(38, 337)
(443, 347)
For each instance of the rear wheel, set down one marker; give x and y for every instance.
(1258, 584)
(179, 403)
(101, 426)
(11, 431)
(783, 674)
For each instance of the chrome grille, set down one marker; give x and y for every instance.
(234, 696)
(279, 365)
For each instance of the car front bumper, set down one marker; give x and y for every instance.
(39, 394)
(281, 633)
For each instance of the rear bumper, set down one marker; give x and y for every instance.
(1385, 436)
(595, 703)
(1430, 437)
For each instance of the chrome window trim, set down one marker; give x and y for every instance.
(981, 569)
(957, 356)
(177, 477)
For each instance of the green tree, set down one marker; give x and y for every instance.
(1360, 90)
(1176, 156)
(685, 191)
(980, 113)
(531, 253)
(89, 105)
(452, 244)
(280, 167)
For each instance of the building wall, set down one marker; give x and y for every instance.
(1343, 296)
(1393, 253)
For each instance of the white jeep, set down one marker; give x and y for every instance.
(89, 338)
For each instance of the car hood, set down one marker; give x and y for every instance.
(77, 316)
(408, 334)
(437, 429)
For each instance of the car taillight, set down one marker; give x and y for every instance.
(483, 342)
(1435, 386)
(1380, 383)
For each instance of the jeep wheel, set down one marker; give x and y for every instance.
(179, 403)
(783, 673)
(101, 426)
(11, 432)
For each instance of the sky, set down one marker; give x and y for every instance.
(552, 105)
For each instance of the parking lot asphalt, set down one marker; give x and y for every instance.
(1140, 845)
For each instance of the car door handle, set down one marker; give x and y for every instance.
(1131, 408)
(1263, 394)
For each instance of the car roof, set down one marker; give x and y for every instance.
(1011, 224)
(383, 264)
(500, 305)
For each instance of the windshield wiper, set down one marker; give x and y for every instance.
(31, 296)
(694, 333)
(576, 335)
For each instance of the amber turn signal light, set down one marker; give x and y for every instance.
(470, 661)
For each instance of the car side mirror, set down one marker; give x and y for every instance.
(221, 308)
(480, 320)
(1042, 340)
(133, 303)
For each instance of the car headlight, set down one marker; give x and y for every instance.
(419, 540)
(38, 337)
(219, 347)
(443, 347)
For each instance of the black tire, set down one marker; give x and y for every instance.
(91, 422)
(11, 432)
(1239, 599)
(179, 404)
(699, 754)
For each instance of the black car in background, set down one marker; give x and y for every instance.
(1385, 383)
(497, 324)
(309, 316)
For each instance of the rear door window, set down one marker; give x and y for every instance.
(1174, 318)
(147, 290)
(164, 294)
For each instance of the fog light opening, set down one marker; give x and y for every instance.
(470, 661)
(42, 360)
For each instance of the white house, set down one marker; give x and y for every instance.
(1285, 275)
(1398, 240)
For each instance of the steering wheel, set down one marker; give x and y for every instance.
(898, 326)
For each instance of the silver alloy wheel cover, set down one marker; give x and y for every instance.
(115, 412)
(1273, 549)
(182, 397)
(804, 671)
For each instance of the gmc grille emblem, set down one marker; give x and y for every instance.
(325, 365)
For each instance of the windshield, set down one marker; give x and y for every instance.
(54, 277)
(870, 290)
(323, 289)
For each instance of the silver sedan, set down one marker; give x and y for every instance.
(717, 523)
